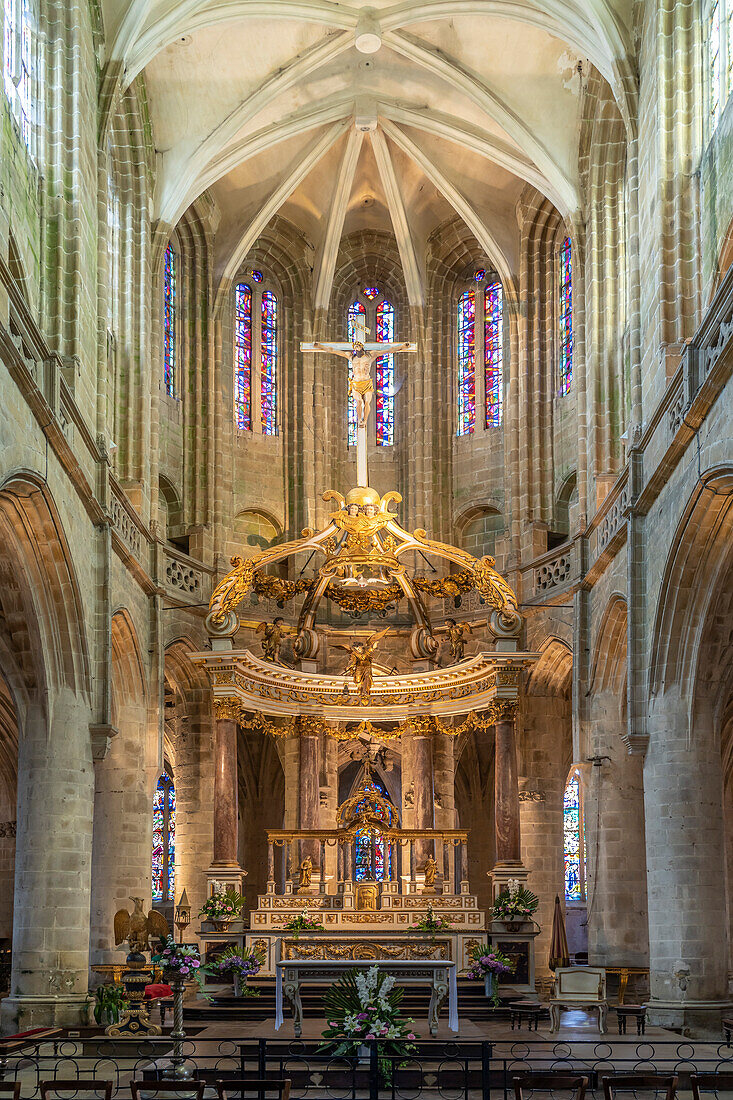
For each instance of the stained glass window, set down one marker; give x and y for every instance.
(370, 849)
(243, 357)
(466, 363)
(170, 307)
(385, 377)
(479, 274)
(371, 292)
(493, 354)
(715, 62)
(719, 22)
(257, 276)
(17, 63)
(566, 317)
(268, 359)
(356, 323)
(573, 840)
(164, 839)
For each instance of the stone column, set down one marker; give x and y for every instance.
(226, 796)
(424, 813)
(52, 867)
(506, 790)
(684, 857)
(308, 793)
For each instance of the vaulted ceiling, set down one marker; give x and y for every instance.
(341, 117)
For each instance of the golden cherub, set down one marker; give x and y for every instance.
(272, 639)
(136, 928)
(360, 662)
(457, 638)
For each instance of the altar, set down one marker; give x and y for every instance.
(439, 975)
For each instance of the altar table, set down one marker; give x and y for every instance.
(437, 973)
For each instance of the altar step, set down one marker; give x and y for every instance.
(472, 1003)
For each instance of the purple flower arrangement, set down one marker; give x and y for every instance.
(240, 967)
(489, 962)
(178, 959)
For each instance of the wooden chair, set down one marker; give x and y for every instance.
(579, 987)
(710, 1082)
(241, 1086)
(544, 1081)
(76, 1085)
(644, 1082)
(10, 1088)
(188, 1088)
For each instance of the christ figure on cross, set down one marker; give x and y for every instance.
(361, 357)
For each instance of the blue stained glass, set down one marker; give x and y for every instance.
(356, 325)
(566, 317)
(17, 70)
(257, 276)
(243, 357)
(170, 291)
(466, 363)
(573, 841)
(493, 354)
(268, 359)
(385, 377)
(164, 839)
(371, 849)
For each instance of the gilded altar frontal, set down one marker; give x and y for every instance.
(366, 528)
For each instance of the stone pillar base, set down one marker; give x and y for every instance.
(694, 1019)
(501, 873)
(221, 877)
(20, 1012)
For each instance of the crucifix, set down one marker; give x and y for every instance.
(361, 356)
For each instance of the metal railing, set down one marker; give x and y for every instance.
(447, 1070)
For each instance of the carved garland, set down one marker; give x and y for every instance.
(420, 726)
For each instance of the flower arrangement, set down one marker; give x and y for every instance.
(239, 966)
(488, 963)
(516, 903)
(304, 922)
(179, 959)
(222, 907)
(364, 1005)
(433, 924)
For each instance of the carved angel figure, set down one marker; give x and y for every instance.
(136, 928)
(360, 662)
(457, 638)
(272, 638)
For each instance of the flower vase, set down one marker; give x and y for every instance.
(178, 1070)
(490, 985)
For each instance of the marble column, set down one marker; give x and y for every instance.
(51, 919)
(308, 794)
(424, 813)
(506, 790)
(226, 796)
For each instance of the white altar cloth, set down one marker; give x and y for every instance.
(437, 973)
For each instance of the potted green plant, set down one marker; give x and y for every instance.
(109, 1004)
